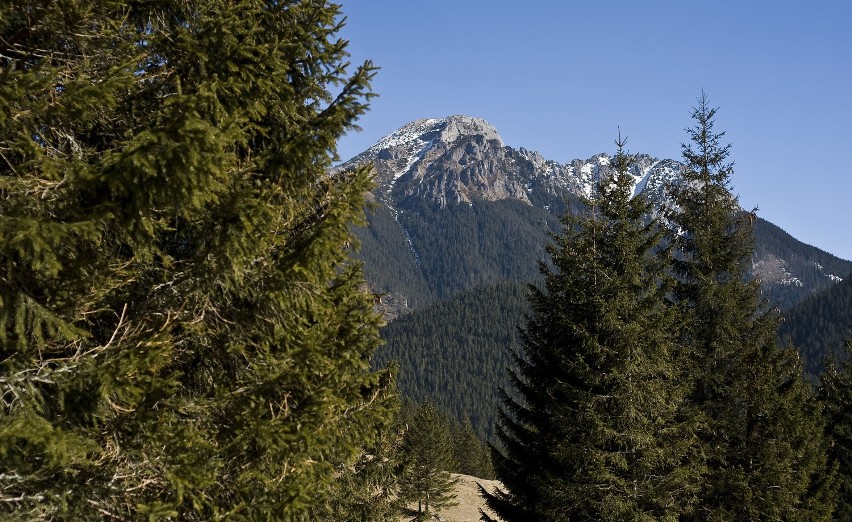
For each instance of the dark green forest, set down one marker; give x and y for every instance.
(456, 352)
(473, 333)
(819, 325)
(431, 253)
(389, 258)
(183, 333)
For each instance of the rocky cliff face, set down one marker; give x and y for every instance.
(460, 159)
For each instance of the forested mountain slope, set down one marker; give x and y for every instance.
(791, 270)
(820, 324)
(458, 223)
(456, 352)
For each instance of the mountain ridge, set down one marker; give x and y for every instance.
(481, 166)
(459, 208)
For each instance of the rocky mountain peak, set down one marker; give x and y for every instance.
(439, 158)
(458, 126)
(428, 130)
(458, 159)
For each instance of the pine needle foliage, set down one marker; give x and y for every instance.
(427, 451)
(182, 334)
(601, 430)
(836, 395)
(760, 426)
(369, 489)
(472, 456)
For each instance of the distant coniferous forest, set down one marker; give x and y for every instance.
(456, 352)
(820, 324)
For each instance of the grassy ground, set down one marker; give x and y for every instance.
(469, 501)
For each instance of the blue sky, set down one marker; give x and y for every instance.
(560, 77)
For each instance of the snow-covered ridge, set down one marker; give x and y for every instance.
(405, 135)
(444, 129)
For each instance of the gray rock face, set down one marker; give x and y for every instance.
(449, 160)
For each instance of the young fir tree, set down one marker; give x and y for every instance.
(761, 429)
(471, 455)
(836, 395)
(600, 431)
(181, 332)
(427, 451)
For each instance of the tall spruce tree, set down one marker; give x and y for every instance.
(368, 491)
(760, 428)
(600, 431)
(181, 332)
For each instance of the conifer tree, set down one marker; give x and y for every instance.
(181, 333)
(600, 431)
(427, 450)
(761, 430)
(471, 455)
(836, 395)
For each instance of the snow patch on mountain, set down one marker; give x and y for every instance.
(405, 135)
(832, 277)
(641, 181)
(790, 279)
(586, 178)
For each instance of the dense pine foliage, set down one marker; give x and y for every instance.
(429, 253)
(427, 449)
(467, 242)
(390, 261)
(836, 395)
(600, 431)
(455, 352)
(182, 335)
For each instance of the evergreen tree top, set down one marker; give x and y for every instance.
(704, 154)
